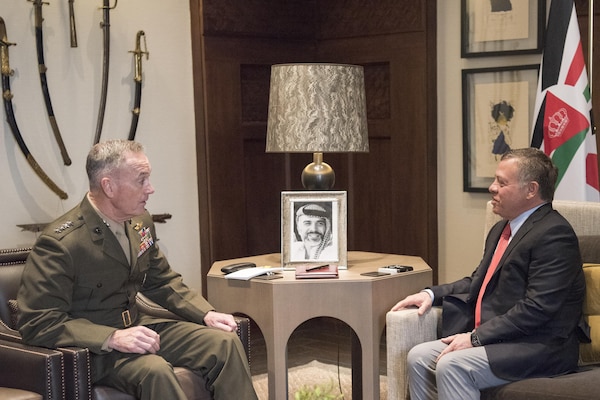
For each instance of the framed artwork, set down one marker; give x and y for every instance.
(502, 27)
(498, 107)
(313, 228)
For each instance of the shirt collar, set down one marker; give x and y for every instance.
(517, 222)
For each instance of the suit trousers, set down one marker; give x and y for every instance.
(216, 355)
(459, 374)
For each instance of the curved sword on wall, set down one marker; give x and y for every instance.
(39, 42)
(137, 59)
(105, 25)
(6, 72)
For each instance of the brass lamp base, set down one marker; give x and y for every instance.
(318, 175)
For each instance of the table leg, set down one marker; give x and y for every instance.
(365, 366)
(356, 368)
(277, 365)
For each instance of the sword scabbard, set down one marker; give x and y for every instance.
(72, 26)
(49, 182)
(137, 57)
(59, 140)
(10, 115)
(105, 25)
(39, 41)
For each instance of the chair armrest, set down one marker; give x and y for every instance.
(35, 369)
(243, 332)
(75, 365)
(9, 334)
(77, 371)
(404, 330)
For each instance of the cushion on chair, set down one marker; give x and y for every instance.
(577, 386)
(589, 353)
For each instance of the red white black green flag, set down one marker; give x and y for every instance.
(562, 126)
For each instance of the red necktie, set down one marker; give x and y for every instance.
(502, 244)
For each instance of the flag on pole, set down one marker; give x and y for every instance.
(562, 124)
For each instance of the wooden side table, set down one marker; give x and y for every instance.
(279, 306)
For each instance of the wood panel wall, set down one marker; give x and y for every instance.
(392, 197)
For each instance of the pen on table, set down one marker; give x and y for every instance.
(316, 267)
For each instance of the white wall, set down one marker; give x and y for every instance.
(166, 125)
(460, 214)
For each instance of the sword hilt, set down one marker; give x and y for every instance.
(138, 53)
(4, 59)
(37, 4)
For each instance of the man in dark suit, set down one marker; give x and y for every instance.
(519, 321)
(81, 279)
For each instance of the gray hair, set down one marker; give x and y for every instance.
(535, 165)
(106, 157)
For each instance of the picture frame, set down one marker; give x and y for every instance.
(502, 27)
(498, 107)
(306, 213)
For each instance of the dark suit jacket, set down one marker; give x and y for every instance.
(533, 303)
(77, 282)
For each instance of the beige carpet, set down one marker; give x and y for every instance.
(315, 373)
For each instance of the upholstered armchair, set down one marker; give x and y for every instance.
(68, 369)
(405, 328)
(28, 372)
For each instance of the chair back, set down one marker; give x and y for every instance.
(12, 262)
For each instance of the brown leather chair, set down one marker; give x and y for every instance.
(29, 372)
(74, 361)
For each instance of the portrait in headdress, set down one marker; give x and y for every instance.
(313, 232)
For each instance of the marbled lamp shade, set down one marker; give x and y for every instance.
(317, 108)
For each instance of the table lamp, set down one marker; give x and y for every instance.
(317, 108)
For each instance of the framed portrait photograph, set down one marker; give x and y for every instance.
(502, 27)
(313, 228)
(498, 107)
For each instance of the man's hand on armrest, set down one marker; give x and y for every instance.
(221, 321)
(137, 339)
(422, 300)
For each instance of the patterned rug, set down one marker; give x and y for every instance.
(316, 374)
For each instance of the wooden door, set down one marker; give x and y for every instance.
(392, 201)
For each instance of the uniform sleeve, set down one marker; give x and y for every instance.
(45, 301)
(166, 287)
